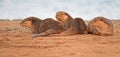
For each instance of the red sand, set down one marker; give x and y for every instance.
(16, 41)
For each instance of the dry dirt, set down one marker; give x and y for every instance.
(16, 41)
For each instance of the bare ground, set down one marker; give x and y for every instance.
(16, 41)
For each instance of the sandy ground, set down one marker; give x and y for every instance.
(16, 41)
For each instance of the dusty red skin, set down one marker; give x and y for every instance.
(100, 26)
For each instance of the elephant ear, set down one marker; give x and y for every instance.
(62, 16)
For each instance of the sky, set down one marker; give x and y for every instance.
(86, 9)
